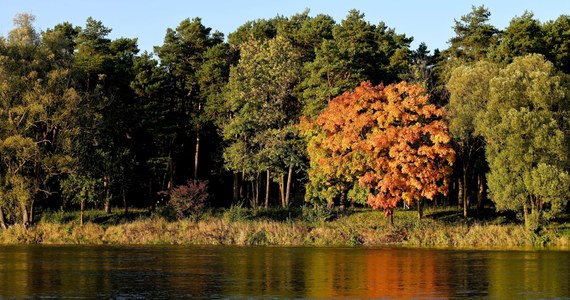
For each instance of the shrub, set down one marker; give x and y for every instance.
(318, 214)
(238, 213)
(189, 199)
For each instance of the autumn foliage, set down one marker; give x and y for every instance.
(388, 139)
(189, 199)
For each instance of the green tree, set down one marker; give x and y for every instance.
(359, 51)
(92, 55)
(157, 124)
(326, 77)
(306, 33)
(260, 29)
(557, 42)
(213, 76)
(469, 95)
(526, 139)
(80, 190)
(182, 55)
(38, 109)
(260, 100)
(103, 72)
(474, 36)
(523, 36)
(417, 68)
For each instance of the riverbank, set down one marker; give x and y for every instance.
(295, 227)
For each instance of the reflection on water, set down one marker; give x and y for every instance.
(264, 272)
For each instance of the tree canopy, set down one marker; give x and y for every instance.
(388, 140)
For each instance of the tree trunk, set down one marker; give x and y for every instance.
(254, 200)
(480, 193)
(31, 218)
(2, 220)
(288, 193)
(282, 189)
(236, 188)
(391, 217)
(465, 196)
(25, 215)
(196, 156)
(420, 209)
(460, 191)
(267, 185)
(525, 214)
(107, 204)
(82, 214)
(241, 186)
(252, 197)
(125, 201)
(257, 190)
(107, 188)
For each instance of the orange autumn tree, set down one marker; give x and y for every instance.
(335, 161)
(389, 139)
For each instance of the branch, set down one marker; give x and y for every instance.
(44, 141)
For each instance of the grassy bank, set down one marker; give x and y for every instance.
(295, 227)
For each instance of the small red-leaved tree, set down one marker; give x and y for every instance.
(189, 199)
(391, 139)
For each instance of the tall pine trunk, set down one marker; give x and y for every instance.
(257, 190)
(282, 189)
(288, 193)
(196, 155)
(126, 207)
(465, 195)
(242, 193)
(267, 185)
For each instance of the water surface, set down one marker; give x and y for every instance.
(167, 272)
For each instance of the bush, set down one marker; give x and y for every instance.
(238, 213)
(318, 214)
(189, 199)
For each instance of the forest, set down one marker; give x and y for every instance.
(290, 111)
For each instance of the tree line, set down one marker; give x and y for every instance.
(286, 109)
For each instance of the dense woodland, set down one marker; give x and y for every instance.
(287, 111)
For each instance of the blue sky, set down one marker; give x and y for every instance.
(426, 21)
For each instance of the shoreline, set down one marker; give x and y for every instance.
(357, 228)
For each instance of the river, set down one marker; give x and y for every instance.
(170, 272)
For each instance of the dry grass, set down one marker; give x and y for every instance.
(357, 228)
